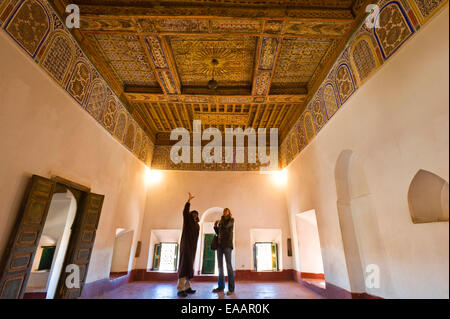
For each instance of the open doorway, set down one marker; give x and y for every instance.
(52, 247)
(310, 254)
(206, 259)
(121, 254)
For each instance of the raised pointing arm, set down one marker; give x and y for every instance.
(187, 206)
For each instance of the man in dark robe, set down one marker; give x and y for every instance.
(188, 248)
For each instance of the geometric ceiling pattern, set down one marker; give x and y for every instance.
(42, 34)
(164, 117)
(141, 68)
(270, 57)
(127, 58)
(366, 51)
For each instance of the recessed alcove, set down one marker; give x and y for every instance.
(428, 198)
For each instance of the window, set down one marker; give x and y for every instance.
(46, 258)
(165, 257)
(265, 256)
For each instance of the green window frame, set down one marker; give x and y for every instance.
(274, 250)
(48, 252)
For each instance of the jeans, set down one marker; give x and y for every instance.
(221, 283)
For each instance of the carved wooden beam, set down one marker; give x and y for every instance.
(141, 95)
(208, 11)
(151, 26)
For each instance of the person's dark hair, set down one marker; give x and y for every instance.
(194, 212)
(229, 211)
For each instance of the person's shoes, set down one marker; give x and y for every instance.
(230, 293)
(217, 290)
(182, 294)
(190, 291)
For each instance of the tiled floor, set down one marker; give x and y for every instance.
(244, 290)
(317, 282)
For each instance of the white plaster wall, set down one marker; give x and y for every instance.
(253, 198)
(396, 124)
(44, 131)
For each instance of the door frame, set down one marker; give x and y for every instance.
(60, 185)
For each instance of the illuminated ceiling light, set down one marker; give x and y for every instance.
(212, 84)
(280, 177)
(152, 176)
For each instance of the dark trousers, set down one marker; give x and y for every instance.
(220, 253)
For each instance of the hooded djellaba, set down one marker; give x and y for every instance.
(188, 244)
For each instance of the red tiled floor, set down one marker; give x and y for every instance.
(317, 282)
(244, 290)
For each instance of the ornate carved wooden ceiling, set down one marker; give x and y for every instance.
(272, 55)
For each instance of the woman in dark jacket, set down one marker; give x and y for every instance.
(224, 230)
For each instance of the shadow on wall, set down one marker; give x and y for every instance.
(365, 255)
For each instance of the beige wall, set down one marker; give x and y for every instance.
(254, 199)
(395, 124)
(44, 131)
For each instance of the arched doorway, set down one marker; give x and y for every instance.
(206, 260)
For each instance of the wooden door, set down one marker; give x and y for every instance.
(156, 257)
(18, 257)
(274, 248)
(209, 256)
(81, 243)
(255, 260)
(176, 258)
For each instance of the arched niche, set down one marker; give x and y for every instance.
(428, 198)
(348, 231)
(363, 245)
